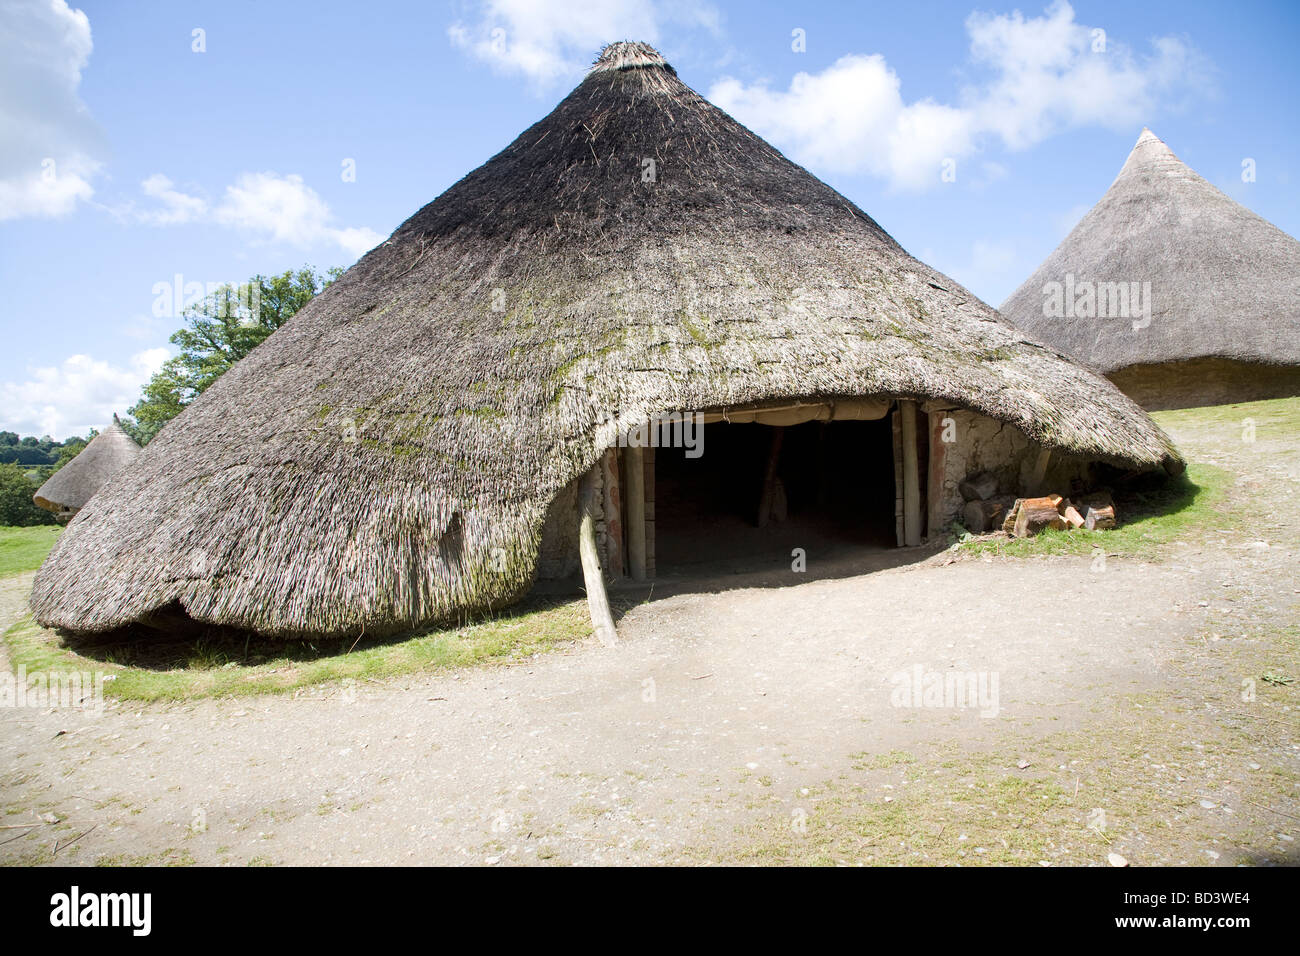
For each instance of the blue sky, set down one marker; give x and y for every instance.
(219, 163)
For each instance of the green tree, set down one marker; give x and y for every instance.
(71, 449)
(16, 505)
(219, 332)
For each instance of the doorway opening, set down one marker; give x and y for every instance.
(759, 491)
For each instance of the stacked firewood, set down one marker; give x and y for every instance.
(985, 510)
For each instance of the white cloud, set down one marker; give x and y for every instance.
(177, 207)
(264, 207)
(1046, 76)
(50, 142)
(851, 118)
(547, 40)
(77, 395)
(285, 209)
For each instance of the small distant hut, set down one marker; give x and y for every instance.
(68, 489)
(473, 405)
(1178, 294)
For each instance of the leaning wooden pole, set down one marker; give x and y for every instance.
(911, 476)
(602, 622)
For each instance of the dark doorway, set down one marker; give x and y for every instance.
(838, 484)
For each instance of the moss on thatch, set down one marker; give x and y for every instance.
(562, 279)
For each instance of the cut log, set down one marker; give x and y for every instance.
(1009, 522)
(1007, 502)
(1097, 499)
(602, 622)
(978, 487)
(1037, 514)
(1072, 518)
(1099, 519)
(982, 516)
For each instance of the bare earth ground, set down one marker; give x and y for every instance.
(752, 725)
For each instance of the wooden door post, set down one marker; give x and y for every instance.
(911, 478)
(635, 475)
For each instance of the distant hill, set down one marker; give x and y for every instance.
(37, 452)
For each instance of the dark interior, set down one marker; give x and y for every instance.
(839, 484)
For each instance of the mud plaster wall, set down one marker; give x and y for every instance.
(558, 555)
(980, 444)
(1209, 381)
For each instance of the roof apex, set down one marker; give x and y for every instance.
(628, 55)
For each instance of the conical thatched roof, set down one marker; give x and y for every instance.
(73, 485)
(637, 251)
(1224, 282)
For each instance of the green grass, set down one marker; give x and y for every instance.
(23, 549)
(1149, 519)
(225, 666)
(1196, 502)
(1273, 418)
(977, 816)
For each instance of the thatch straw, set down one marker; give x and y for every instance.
(361, 467)
(1224, 282)
(72, 486)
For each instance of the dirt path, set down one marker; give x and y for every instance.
(723, 717)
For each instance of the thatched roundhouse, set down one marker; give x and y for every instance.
(68, 489)
(411, 447)
(1212, 290)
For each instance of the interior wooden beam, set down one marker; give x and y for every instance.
(769, 475)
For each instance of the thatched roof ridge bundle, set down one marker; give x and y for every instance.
(1224, 283)
(75, 483)
(386, 459)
